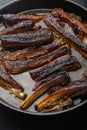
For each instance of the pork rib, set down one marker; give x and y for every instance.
(74, 40)
(30, 38)
(63, 63)
(56, 79)
(7, 82)
(20, 27)
(31, 52)
(11, 19)
(78, 27)
(21, 65)
(74, 89)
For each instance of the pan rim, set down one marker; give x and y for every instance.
(39, 113)
(16, 1)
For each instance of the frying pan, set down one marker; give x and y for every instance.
(34, 5)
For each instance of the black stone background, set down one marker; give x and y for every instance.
(12, 120)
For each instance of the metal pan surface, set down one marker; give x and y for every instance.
(31, 6)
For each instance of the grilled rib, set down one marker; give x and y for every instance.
(17, 55)
(60, 105)
(18, 66)
(30, 38)
(63, 63)
(20, 27)
(11, 19)
(56, 78)
(46, 81)
(42, 60)
(75, 24)
(7, 82)
(75, 88)
(31, 52)
(75, 41)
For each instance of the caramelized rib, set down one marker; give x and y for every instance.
(76, 42)
(56, 79)
(7, 82)
(72, 89)
(20, 27)
(11, 19)
(18, 54)
(30, 38)
(60, 105)
(31, 52)
(66, 63)
(42, 60)
(46, 81)
(18, 66)
(74, 23)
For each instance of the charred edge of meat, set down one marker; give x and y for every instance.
(42, 60)
(11, 19)
(19, 66)
(59, 105)
(32, 52)
(63, 63)
(22, 65)
(30, 38)
(69, 91)
(7, 82)
(20, 27)
(79, 45)
(16, 67)
(54, 89)
(58, 79)
(46, 81)
(16, 55)
(76, 25)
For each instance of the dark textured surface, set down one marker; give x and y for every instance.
(12, 120)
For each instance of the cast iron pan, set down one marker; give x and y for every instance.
(19, 6)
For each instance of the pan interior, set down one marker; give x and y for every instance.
(25, 80)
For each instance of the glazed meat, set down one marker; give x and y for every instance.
(74, 89)
(63, 63)
(75, 24)
(7, 82)
(44, 85)
(31, 52)
(52, 77)
(18, 66)
(11, 19)
(30, 38)
(42, 60)
(74, 40)
(16, 55)
(20, 27)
